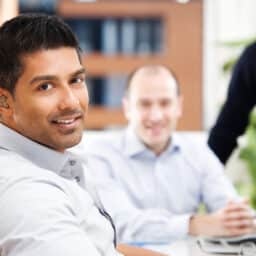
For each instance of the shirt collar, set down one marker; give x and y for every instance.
(38, 154)
(134, 146)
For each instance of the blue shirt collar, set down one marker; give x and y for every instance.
(38, 154)
(134, 146)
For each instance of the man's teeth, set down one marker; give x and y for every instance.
(64, 121)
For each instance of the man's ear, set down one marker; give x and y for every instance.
(180, 106)
(5, 104)
(126, 108)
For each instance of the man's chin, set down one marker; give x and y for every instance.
(66, 143)
(157, 140)
(156, 132)
(156, 137)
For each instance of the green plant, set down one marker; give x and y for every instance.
(239, 44)
(248, 153)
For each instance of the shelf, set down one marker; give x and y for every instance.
(102, 65)
(71, 9)
(99, 117)
(182, 51)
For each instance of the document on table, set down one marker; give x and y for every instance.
(224, 245)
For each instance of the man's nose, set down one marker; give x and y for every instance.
(156, 113)
(68, 99)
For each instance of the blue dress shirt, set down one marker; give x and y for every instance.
(151, 198)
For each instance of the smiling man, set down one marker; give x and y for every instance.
(50, 99)
(152, 180)
(153, 106)
(46, 208)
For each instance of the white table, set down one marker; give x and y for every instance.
(182, 248)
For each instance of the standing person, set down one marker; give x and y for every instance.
(45, 209)
(152, 180)
(234, 115)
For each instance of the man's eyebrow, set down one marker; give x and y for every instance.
(53, 77)
(79, 72)
(43, 78)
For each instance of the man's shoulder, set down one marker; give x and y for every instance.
(194, 145)
(196, 151)
(189, 140)
(17, 170)
(11, 160)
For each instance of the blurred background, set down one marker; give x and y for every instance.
(195, 38)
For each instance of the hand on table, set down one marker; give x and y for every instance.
(237, 218)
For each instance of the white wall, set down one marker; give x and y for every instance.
(224, 20)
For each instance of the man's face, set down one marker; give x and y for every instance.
(153, 108)
(50, 99)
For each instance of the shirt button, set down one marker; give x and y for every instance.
(72, 162)
(77, 178)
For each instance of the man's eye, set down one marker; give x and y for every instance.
(45, 87)
(77, 80)
(166, 103)
(145, 104)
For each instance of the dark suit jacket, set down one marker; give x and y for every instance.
(241, 98)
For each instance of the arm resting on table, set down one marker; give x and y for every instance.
(136, 251)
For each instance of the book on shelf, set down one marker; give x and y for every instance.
(83, 29)
(128, 36)
(112, 36)
(143, 36)
(157, 35)
(114, 89)
(95, 89)
(47, 6)
(109, 36)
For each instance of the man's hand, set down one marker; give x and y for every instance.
(233, 220)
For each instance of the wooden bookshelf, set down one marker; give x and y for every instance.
(120, 64)
(182, 51)
(122, 8)
(99, 117)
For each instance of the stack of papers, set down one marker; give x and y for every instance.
(224, 245)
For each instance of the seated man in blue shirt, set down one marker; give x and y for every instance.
(46, 208)
(152, 181)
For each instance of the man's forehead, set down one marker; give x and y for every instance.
(161, 80)
(157, 87)
(48, 59)
(155, 95)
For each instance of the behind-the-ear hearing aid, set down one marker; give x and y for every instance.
(3, 102)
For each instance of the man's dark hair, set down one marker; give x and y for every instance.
(26, 34)
(151, 70)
